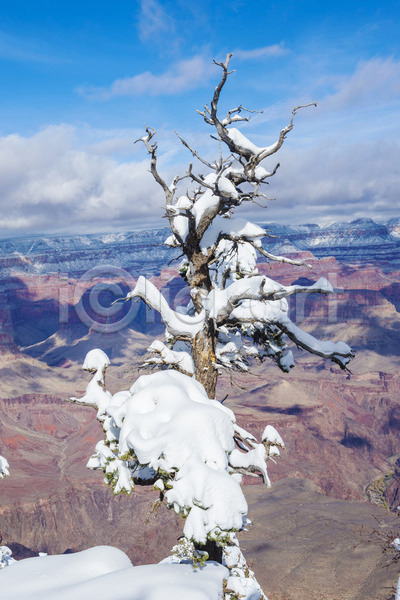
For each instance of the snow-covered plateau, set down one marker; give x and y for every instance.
(143, 252)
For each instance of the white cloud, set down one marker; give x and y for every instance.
(374, 82)
(341, 160)
(84, 180)
(264, 52)
(185, 75)
(154, 20)
(48, 183)
(330, 181)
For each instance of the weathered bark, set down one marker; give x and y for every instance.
(203, 352)
(203, 345)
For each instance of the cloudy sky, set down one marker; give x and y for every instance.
(79, 79)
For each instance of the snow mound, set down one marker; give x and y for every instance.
(105, 573)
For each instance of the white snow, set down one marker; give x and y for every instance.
(170, 415)
(171, 241)
(254, 460)
(339, 350)
(396, 543)
(241, 581)
(204, 205)
(4, 467)
(220, 303)
(106, 573)
(96, 360)
(236, 229)
(247, 147)
(260, 311)
(166, 356)
(214, 498)
(261, 173)
(5, 557)
(181, 225)
(286, 362)
(271, 436)
(237, 170)
(207, 202)
(177, 324)
(169, 426)
(233, 260)
(226, 188)
(183, 203)
(242, 141)
(233, 118)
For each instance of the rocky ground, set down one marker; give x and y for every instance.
(305, 545)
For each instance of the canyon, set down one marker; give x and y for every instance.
(341, 429)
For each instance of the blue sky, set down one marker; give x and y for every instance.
(78, 79)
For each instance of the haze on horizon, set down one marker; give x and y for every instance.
(80, 80)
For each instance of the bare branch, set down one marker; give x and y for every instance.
(236, 111)
(275, 147)
(204, 115)
(184, 142)
(152, 150)
(77, 401)
(249, 154)
(198, 179)
(282, 259)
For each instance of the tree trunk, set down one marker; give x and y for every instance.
(203, 351)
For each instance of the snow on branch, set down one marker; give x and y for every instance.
(234, 116)
(282, 259)
(170, 425)
(275, 313)
(230, 351)
(96, 362)
(220, 303)
(177, 324)
(234, 229)
(238, 143)
(181, 361)
(338, 352)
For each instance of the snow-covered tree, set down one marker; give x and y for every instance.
(169, 430)
(166, 432)
(234, 313)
